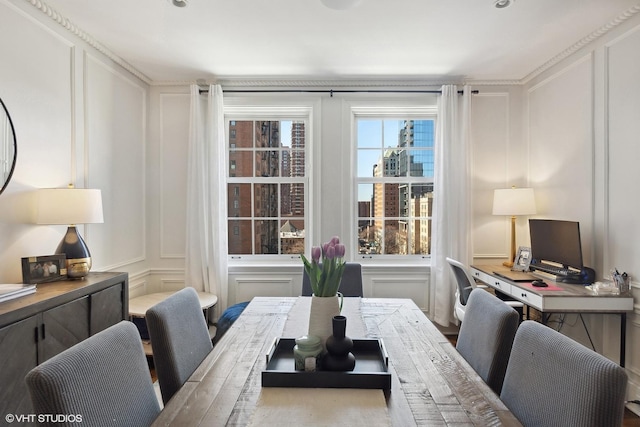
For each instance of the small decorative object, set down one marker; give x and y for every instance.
(41, 269)
(339, 346)
(306, 353)
(325, 280)
(522, 260)
(621, 281)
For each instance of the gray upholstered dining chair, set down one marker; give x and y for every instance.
(552, 380)
(486, 336)
(179, 339)
(350, 286)
(104, 379)
(464, 284)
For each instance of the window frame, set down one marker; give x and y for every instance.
(386, 110)
(243, 108)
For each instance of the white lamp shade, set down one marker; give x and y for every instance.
(69, 206)
(514, 201)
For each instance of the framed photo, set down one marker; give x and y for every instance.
(40, 269)
(523, 258)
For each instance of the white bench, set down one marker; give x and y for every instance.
(138, 307)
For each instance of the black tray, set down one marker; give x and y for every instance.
(371, 370)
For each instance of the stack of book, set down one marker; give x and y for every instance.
(11, 291)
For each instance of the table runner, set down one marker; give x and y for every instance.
(283, 406)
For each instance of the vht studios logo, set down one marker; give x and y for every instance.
(43, 418)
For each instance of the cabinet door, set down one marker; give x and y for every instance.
(18, 355)
(106, 308)
(63, 327)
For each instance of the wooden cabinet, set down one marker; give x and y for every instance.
(36, 327)
(18, 355)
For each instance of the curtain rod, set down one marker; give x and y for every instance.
(330, 91)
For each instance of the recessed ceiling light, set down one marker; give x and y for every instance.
(340, 4)
(501, 4)
(179, 3)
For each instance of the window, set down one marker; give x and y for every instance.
(267, 186)
(394, 179)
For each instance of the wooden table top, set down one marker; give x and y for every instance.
(431, 383)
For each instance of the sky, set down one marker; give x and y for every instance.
(373, 135)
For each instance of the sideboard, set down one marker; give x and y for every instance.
(58, 315)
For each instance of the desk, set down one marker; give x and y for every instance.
(431, 383)
(568, 299)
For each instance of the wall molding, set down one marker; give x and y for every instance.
(288, 82)
(85, 37)
(585, 41)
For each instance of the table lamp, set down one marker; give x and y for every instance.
(513, 202)
(71, 206)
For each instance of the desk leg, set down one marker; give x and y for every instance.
(544, 317)
(623, 337)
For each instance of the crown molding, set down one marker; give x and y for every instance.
(85, 37)
(595, 35)
(297, 83)
(511, 82)
(334, 83)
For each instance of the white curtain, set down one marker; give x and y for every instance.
(206, 251)
(451, 216)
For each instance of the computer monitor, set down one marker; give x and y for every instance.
(556, 241)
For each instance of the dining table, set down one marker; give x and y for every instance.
(431, 383)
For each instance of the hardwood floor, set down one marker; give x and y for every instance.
(630, 419)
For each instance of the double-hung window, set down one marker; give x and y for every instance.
(394, 179)
(266, 184)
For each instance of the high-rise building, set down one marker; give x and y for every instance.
(244, 134)
(298, 139)
(416, 200)
(411, 158)
(292, 195)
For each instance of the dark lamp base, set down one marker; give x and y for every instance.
(78, 256)
(78, 268)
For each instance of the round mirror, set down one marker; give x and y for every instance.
(8, 147)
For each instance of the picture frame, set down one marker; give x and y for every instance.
(41, 269)
(523, 259)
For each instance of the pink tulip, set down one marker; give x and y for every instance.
(325, 247)
(316, 252)
(334, 240)
(330, 253)
(340, 250)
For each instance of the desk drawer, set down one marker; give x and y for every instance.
(492, 281)
(501, 286)
(527, 297)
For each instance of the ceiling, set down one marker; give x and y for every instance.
(302, 39)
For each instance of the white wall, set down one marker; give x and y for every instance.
(581, 129)
(571, 133)
(79, 118)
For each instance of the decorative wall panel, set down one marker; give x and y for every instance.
(115, 117)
